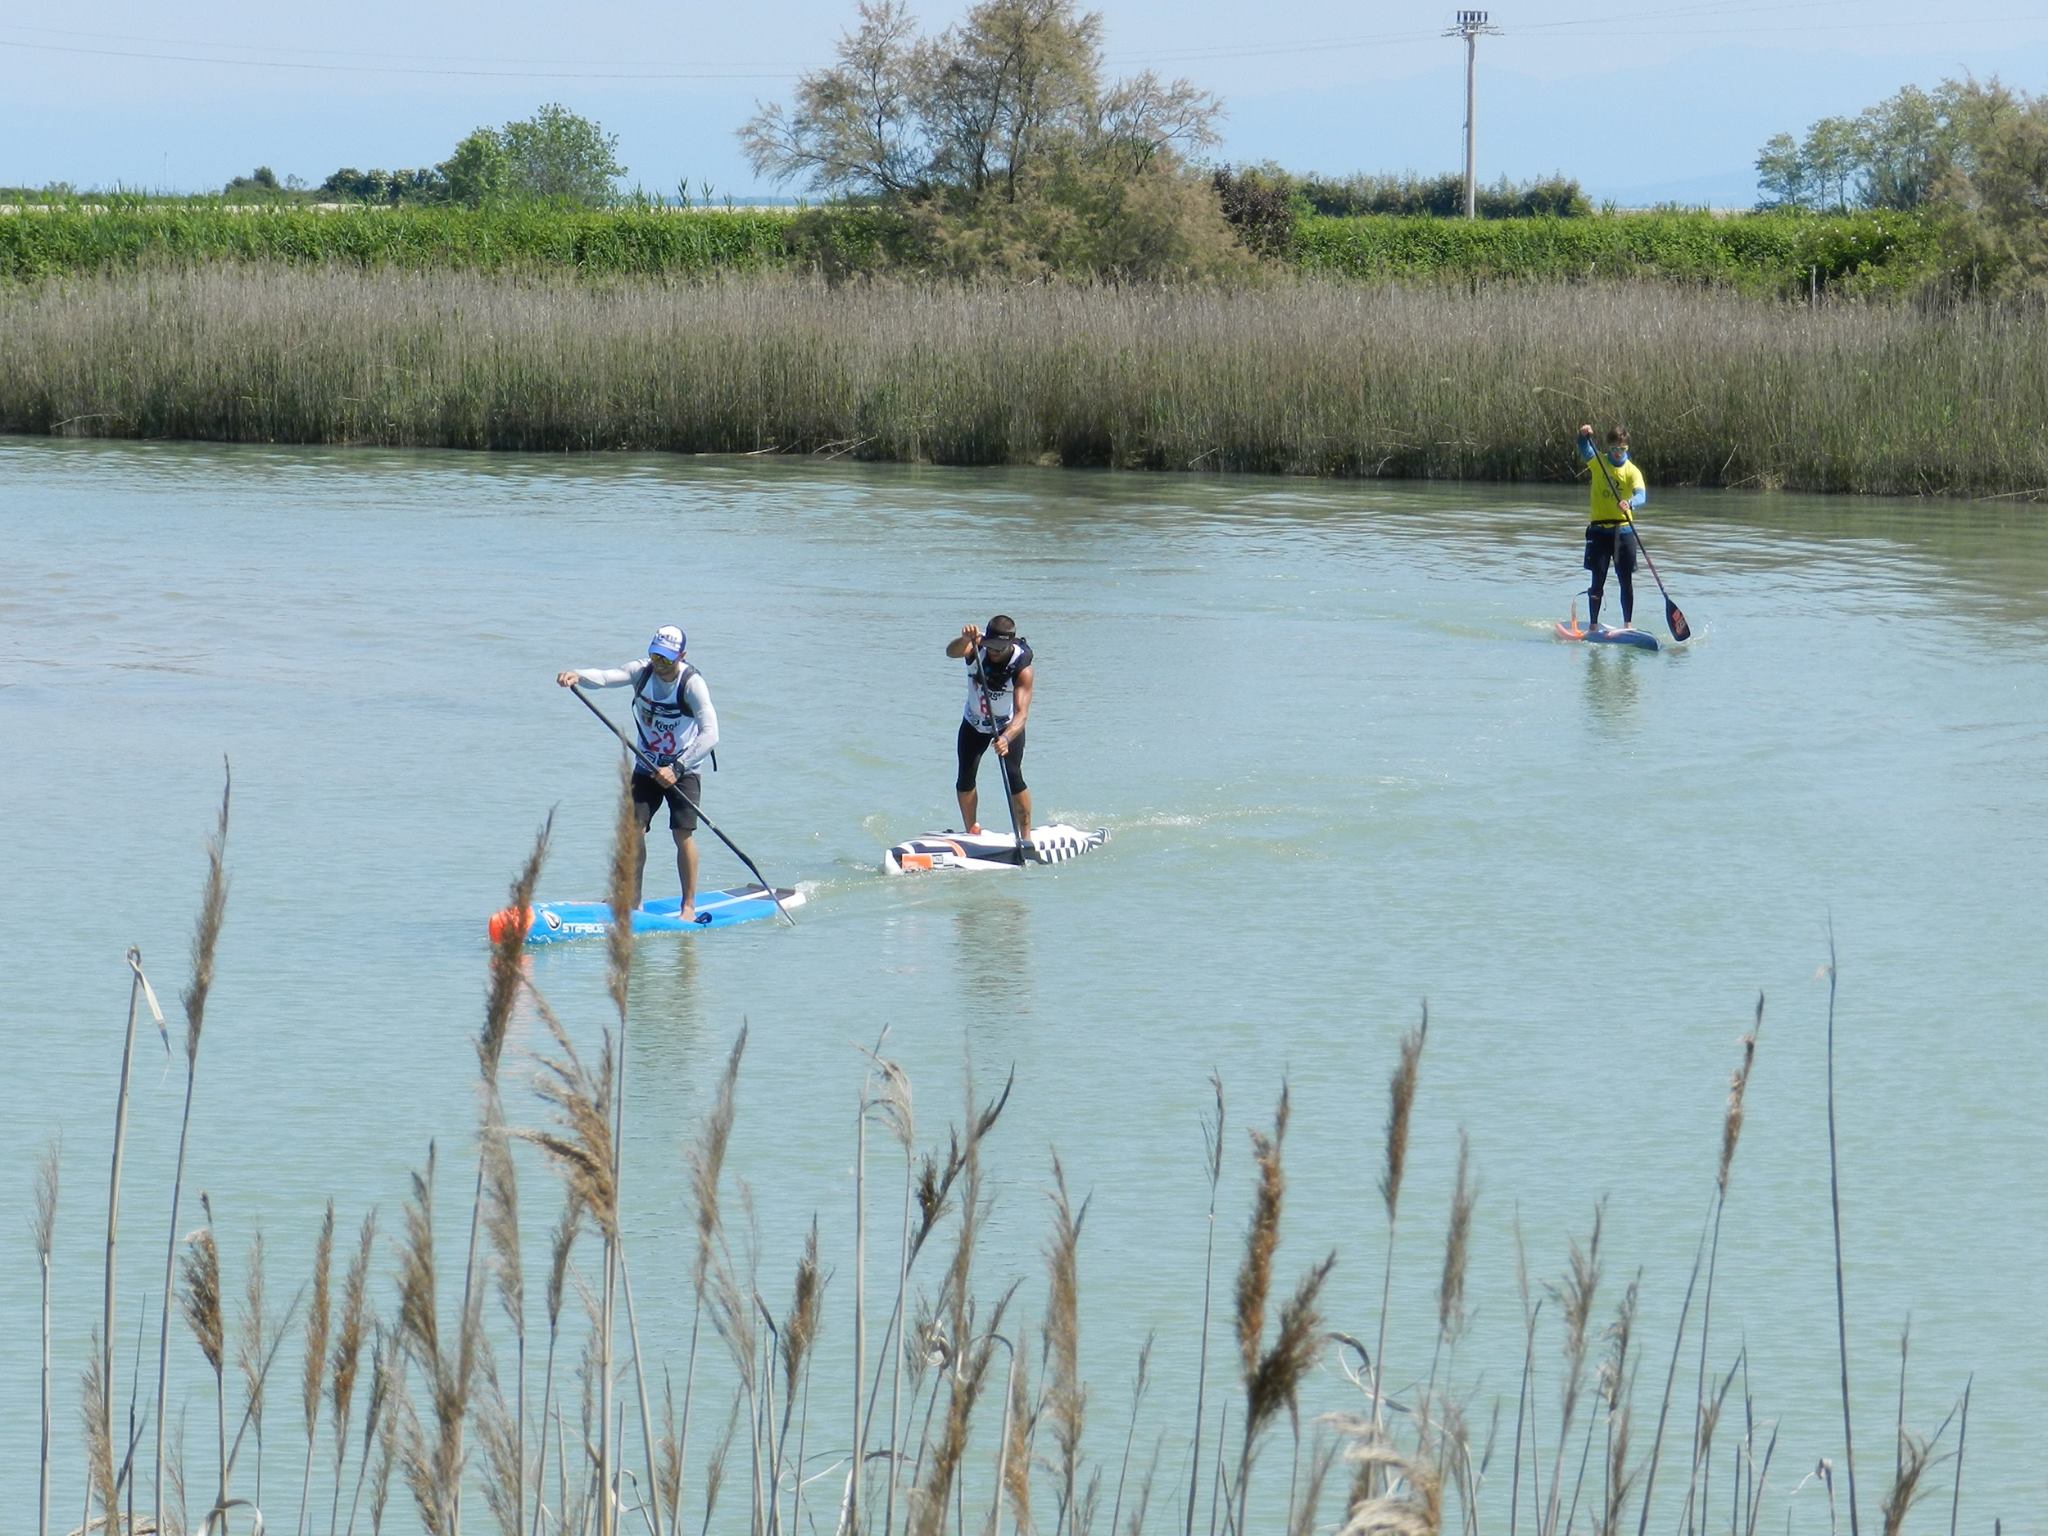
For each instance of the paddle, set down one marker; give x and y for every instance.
(1680, 630)
(1009, 795)
(677, 790)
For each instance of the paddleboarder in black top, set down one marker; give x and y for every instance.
(998, 700)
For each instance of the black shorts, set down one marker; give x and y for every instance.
(970, 744)
(1610, 544)
(648, 795)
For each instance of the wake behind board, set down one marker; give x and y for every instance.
(1051, 844)
(547, 922)
(1601, 634)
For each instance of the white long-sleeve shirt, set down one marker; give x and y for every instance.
(676, 724)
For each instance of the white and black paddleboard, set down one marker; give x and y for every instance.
(1053, 844)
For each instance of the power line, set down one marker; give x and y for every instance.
(455, 66)
(410, 69)
(356, 53)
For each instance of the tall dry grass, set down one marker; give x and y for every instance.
(965, 1449)
(1299, 377)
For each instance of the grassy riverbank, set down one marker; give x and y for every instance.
(1298, 377)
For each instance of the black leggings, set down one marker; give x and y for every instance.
(1611, 544)
(970, 744)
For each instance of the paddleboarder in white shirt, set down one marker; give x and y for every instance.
(999, 682)
(678, 729)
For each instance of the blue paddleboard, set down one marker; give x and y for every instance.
(1602, 635)
(552, 921)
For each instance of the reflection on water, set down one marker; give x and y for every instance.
(1612, 676)
(992, 940)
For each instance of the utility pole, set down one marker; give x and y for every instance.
(1471, 26)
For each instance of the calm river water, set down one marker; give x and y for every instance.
(1346, 769)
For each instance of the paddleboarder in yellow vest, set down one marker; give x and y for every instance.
(1617, 491)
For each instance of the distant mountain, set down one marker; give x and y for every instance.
(1729, 189)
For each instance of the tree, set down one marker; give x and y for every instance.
(854, 128)
(992, 107)
(1781, 173)
(259, 183)
(557, 156)
(480, 170)
(1993, 201)
(1906, 141)
(380, 186)
(1832, 152)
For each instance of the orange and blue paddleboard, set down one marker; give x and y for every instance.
(548, 922)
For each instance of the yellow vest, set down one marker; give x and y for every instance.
(1627, 480)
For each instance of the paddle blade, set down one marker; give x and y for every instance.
(1680, 630)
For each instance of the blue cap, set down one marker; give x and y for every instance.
(668, 641)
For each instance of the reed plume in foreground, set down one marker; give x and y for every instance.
(252, 1348)
(1212, 1143)
(706, 1160)
(43, 1228)
(199, 1303)
(494, 1209)
(1835, 1209)
(314, 1373)
(1066, 1396)
(1731, 1134)
(1415, 1510)
(205, 940)
(1262, 1239)
(798, 1333)
(1400, 1112)
(1272, 1377)
(348, 1353)
(94, 1405)
(1575, 1301)
(139, 991)
(1913, 1460)
(433, 1468)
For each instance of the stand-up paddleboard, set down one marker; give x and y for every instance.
(549, 921)
(1600, 634)
(1053, 844)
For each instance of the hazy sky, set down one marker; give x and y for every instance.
(1665, 99)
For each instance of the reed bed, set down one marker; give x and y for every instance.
(974, 1446)
(1301, 378)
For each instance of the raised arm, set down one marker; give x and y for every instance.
(602, 677)
(963, 644)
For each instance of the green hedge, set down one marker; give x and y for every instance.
(1761, 253)
(1758, 253)
(625, 242)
